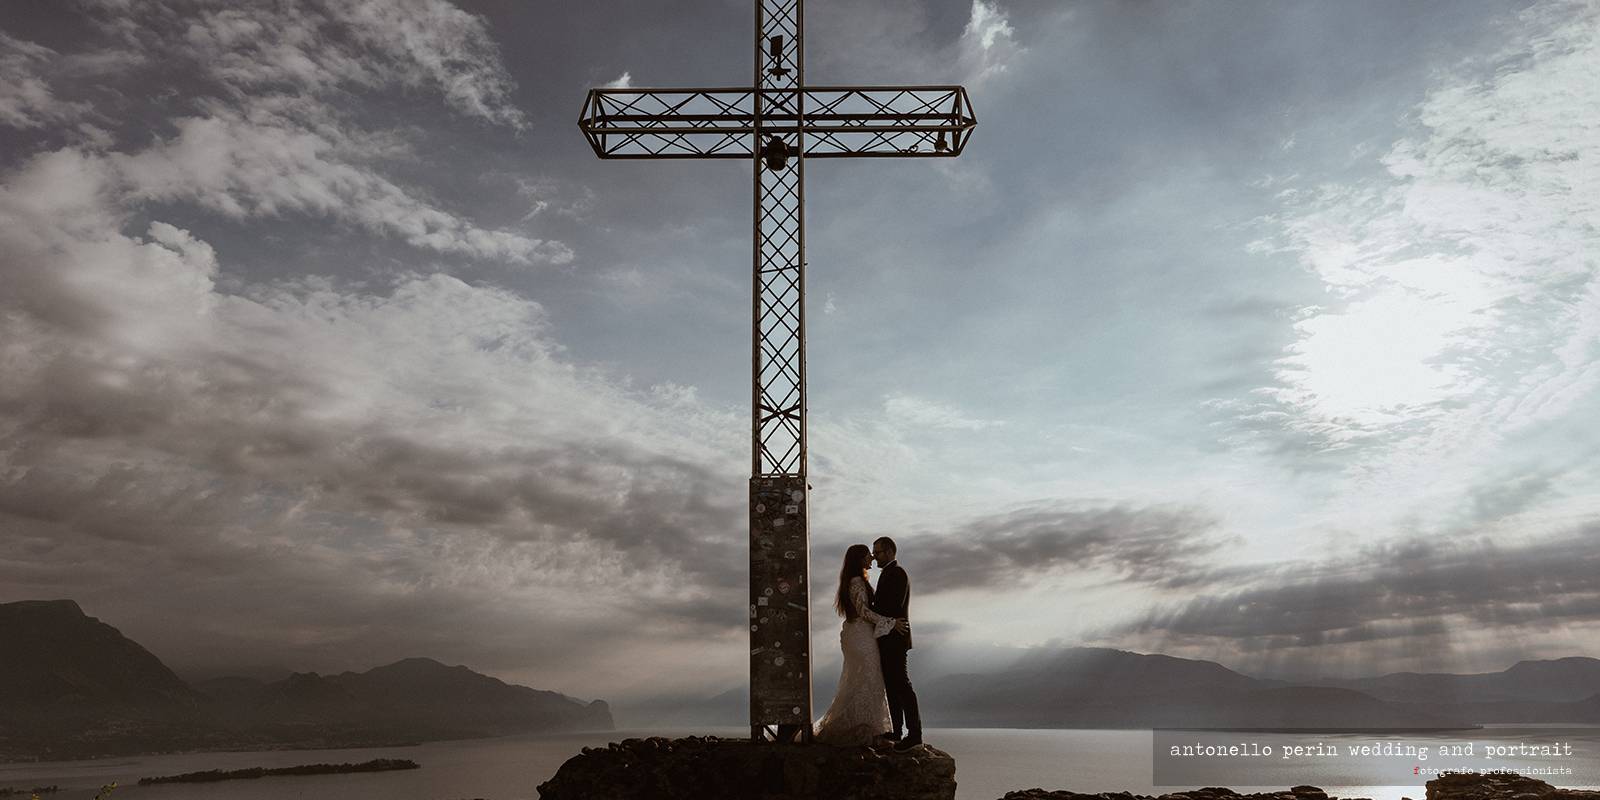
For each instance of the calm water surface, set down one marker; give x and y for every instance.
(989, 763)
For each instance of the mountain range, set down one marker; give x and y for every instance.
(1088, 687)
(72, 686)
(1091, 687)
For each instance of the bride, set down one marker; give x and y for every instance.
(860, 710)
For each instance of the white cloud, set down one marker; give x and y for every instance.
(26, 100)
(624, 81)
(443, 47)
(267, 137)
(988, 43)
(1462, 283)
(915, 411)
(269, 164)
(548, 195)
(413, 43)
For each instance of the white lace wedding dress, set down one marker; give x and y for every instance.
(860, 709)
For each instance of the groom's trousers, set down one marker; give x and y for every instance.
(897, 684)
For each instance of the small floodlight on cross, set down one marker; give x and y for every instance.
(779, 123)
(775, 153)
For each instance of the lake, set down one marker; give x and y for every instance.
(989, 763)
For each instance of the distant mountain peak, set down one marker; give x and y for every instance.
(1573, 661)
(419, 661)
(418, 665)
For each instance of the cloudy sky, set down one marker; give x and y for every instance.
(1262, 332)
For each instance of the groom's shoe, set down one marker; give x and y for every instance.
(909, 742)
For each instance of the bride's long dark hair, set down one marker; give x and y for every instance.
(852, 569)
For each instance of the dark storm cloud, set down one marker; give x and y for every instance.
(1394, 591)
(652, 508)
(1153, 546)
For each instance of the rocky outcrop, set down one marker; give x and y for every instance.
(1460, 786)
(1208, 793)
(1454, 786)
(696, 768)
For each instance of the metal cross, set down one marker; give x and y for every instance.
(779, 123)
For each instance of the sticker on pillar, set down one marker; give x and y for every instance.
(753, 608)
(779, 522)
(791, 509)
(788, 554)
(768, 591)
(797, 495)
(760, 507)
(783, 586)
(760, 601)
(752, 629)
(777, 662)
(794, 710)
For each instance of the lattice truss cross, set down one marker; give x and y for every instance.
(778, 123)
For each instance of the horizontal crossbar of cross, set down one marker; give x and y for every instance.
(837, 121)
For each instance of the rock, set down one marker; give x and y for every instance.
(1208, 793)
(1499, 786)
(1450, 786)
(696, 767)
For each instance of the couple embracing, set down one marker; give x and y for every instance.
(874, 693)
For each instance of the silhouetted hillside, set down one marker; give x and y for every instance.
(418, 695)
(1085, 687)
(1585, 711)
(57, 659)
(1559, 680)
(72, 686)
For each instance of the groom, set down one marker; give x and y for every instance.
(892, 598)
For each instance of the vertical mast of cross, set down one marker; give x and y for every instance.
(780, 641)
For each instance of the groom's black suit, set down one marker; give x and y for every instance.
(892, 598)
